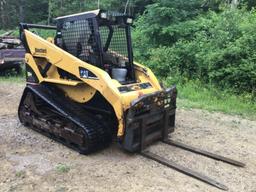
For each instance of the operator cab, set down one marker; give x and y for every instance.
(100, 38)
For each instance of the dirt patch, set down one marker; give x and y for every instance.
(9, 98)
(29, 160)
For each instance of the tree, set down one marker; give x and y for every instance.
(2, 5)
(49, 12)
(22, 4)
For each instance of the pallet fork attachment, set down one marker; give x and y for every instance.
(182, 169)
(171, 164)
(204, 153)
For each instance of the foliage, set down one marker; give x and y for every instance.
(15, 11)
(62, 168)
(194, 94)
(58, 7)
(2, 31)
(13, 79)
(156, 24)
(30, 11)
(216, 48)
(20, 174)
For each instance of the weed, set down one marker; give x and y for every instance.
(12, 79)
(20, 174)
(62, 168)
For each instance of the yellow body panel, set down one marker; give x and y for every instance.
(83, 90)
(80, 93)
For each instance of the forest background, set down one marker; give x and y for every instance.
(205, 47)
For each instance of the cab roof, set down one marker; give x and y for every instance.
(93, 13)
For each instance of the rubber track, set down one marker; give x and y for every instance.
(98, 136)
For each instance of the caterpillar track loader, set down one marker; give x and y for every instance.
(84, 89)
(83, 86)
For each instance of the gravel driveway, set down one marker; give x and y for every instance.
(32, 162)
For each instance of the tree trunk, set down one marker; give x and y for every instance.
(2, 3)
(21, 11)
(49, 12)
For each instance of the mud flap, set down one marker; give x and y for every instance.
(150, 118)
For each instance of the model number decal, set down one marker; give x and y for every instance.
(86, 74)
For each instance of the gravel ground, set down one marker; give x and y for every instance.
(32, 162)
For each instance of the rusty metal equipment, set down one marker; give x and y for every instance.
(11, 54)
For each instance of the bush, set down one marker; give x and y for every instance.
(215, 48)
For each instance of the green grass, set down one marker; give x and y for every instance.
(44, 33)
(20, 174)
(194, 95)
(62, 168)
(12, 79)
(2, 31)
(15, 32)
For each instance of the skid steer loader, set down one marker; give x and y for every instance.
(83, 86)
(84, 89)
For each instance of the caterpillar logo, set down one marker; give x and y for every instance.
(43, 51)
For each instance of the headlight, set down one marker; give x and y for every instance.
(104, 15)
(1, 61)
(129, 21)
